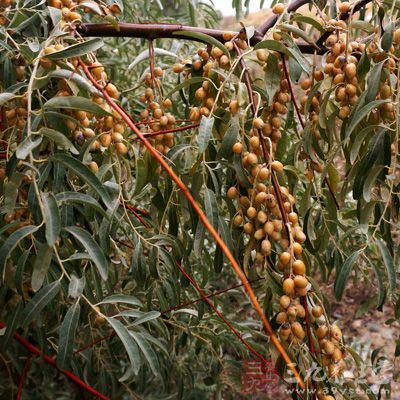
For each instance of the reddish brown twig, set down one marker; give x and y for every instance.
(134, 212)
(49, 360)
(226, 322)
(218, 239)
(177, 307)
(97, 341)
(22, 377)
(209, 296)
(151, 61)
(308, 325)
(172, 130)
(289, 81)
(326, 180)
(152, 121)
(142, 212)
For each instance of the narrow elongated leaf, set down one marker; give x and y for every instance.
(365, 215)
(370, 181)
(186, 83)
(144, 55)
(59, 139)
(5, 97)
(202, 37)
(387, 37)
(12, 242)
(374, 81)
(388, 262)
(272, 45)
(358, 141)
(298, 32)
(76, 286)
(94, 250)
(91, 5)
(141, 175)
(80, 198)
(230, 138)
(79, 256)
(30, 143)
(357, 116)
(39, 301)
(211, 206)
(308, 20)
(292, 52)
(240, 171)
(12, 325)
(128, 342)
(375, 148)
(51, 218)
(297, 55)
(363, 66)
(205, 131)
(121, 298)
(141, 317)
(84, 173)
(272, 77)
(67, 335)
(199, 240)
(11, 190)
(76, 50)
(381, 286)
(41, 266)
(149, 353)
(73, 76)
(344, 274)
(75, 103)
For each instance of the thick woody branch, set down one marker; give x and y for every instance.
(146, 31)
(171, 31)
(157, 31)
(167, 31)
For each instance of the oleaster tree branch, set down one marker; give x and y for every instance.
(49, 360)
(167, 31)
(23, 375)
(159, 30)
(218, 239)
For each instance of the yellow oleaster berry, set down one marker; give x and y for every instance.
(112, 91)
(298, 267)
(277, 166)
(278, 8)
(317, 311)
(121, 148)
(288, 286)
(284, 301)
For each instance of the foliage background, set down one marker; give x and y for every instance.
(172, 354)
